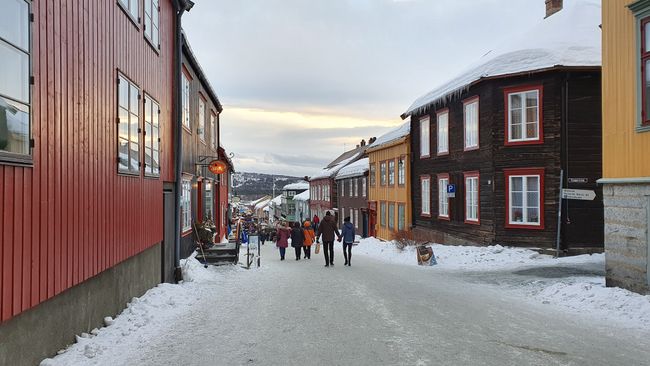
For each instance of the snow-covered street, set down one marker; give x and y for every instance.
(375, 313)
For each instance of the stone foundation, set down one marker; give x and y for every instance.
(627, 213)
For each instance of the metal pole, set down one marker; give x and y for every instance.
(259, 249)
(559, 216)
(178, 145)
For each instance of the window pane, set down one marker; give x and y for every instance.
(516, 214)
(134, 106)
(14, 73)
(517, 199)
(14, 127)
(647, 90)
(533, 215)
(124, 123)
(123, 92)
(155, 134)
(135, 156)
(515, 101)
(531, 99)
(647, 37)
(124, 154)
(148, 160)
(531, 114)
(134, 128)
(532, 184)
(516, 184)
(14, 23)
(532, 199)
(133, 8)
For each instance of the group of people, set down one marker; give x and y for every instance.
(305, 235)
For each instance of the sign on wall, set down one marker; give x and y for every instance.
(451, 191)
(578, 194)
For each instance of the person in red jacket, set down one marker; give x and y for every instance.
(283, 235)
(316, 222)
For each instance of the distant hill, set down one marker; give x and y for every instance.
(250, 186)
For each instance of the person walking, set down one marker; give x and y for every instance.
(282, 242)
(327, 230)
(316, 222)
(262, 236)
(348, 234)
(310, 237)
(297, 239)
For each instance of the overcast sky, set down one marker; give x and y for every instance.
(300, 80)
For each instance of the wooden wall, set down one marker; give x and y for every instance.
(625, 151)
(396, 193)
(71, 216)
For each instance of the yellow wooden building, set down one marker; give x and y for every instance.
(390, 183)
(626, 141)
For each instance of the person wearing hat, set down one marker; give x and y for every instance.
(327, 230)
(310, 236)
(348, 235)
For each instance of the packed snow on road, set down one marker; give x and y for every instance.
(478, 305)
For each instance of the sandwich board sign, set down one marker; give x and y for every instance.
(578, 194)
(451, 190)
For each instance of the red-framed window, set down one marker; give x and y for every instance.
(425, 137)
(645, 77)
(472, 197)
(425, 195)
(442, 127)
(524, 198)
(523, 115)
(443, 199)
(471, 123)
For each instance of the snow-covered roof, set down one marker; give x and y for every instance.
(330, 172)
(568, 38)
(262, 204)
(254, 203)
(304, 196)
(277, 200)
(296, 186)
(392, 135)
(355, 169)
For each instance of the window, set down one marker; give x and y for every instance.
(213, 130)
(186, 204)
(373, 174)
(524, 198)
(351, 192)
(470, 107)
(425, 138)
(341, 216)
(401, 170)
(185, 86)
(382, 173)
(356, 187)
(471, 198)
(200, 130)
(342, 188)
(401, 218)
(364, 187)
(425, 188)
(128, 126)
(151, 137)
(443, 132)
(151, 22)
(352, 216)
(391, 215)
(523, 115)
(15, 96)
(131, 7)
(645, 75)
(209, 202)
(443, 199)
(391, 172)
(382, 213)
(356, 220)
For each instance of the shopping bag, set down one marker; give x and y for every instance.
(317, 248)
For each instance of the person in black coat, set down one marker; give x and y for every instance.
(297, 239)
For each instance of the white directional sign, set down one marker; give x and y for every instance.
(578, 194)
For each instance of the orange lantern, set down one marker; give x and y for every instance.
(217, 167)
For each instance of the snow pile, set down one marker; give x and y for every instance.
(392, 135)
(354, 169)
(296, 186)
(571, 37)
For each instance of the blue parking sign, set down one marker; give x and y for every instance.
(451, 188)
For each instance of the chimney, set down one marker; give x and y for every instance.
(363, 142)
(552, 7)
(372, 140)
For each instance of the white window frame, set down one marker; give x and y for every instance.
(525, 205)
(185, 101)
(425, 137)
(351, 191)
(523, 109)
(382, 173)
(391, 172)
(472, 197)
(442, 125)
(132, 7)
(213, 129)
(186, 204)
(200, 129)
(364, 187)
(425, 195)
(382, 213)
(151, 136)
(471, 123)
(152, 22)
(401, 171)
(132, 137)
(401, 216)
(443, 199)
(356, 187)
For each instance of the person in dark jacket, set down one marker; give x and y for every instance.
(348, 235)
(297, 238)
(327, 230)
(282, 242)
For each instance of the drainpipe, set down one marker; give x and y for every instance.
(181, 7)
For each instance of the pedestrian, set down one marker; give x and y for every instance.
(316, 222)
(262, 236)
(297, 239)
(310, 237)
(282, 243)
(348, 235)
(327, 230)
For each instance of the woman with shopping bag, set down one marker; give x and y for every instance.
(310, 237)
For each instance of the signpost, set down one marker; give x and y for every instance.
(451, 191)
(578, 194)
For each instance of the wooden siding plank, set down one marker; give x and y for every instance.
(7, 233)
(50, 133)
(17, 241)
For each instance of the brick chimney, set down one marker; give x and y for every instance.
(552, 7)
(363, 142)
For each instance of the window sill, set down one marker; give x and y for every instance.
(525, 226)
(155, 48)
(642, 128)
(524, 142)
(7, 158)
(425, 215)
(472, 148)
(444, 153)
(425, 156)
(152, 177)
(187, 129)
(128, 175)
(473, 222)
(134, 21)
(444, 218)
(186, 232)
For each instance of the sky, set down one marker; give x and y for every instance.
(303, 80)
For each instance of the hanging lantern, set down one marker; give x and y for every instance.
(217, 167)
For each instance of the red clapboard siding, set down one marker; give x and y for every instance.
(70, 215)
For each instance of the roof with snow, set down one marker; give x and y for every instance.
(262, 204)
(331, 171)
(568, 38)
(277, 201)
(261, 199)
(296, 186)
(304, 196)
(392, 136)
(355, 169)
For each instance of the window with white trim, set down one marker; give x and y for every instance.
(425, 188)
(356, 219)
(523, 116)
(443, 200)
(352, 216)
(356, 187)
(128, 126)
(391, 215)
(151, 137)
(391, 172)
(443, 132)
(185, 101)
(186, 204)
(15, 95)
(364, 187)
(524, 199)
(209, 202)
(425, 138)
(382, 214)
(351, 192)
(401, 217)
(382, 173)
(213, 130)
(200, 130)
(471, 124)
(401, 171)
(471, 198)
(131, 6)
(342, 187)
(152, 22)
